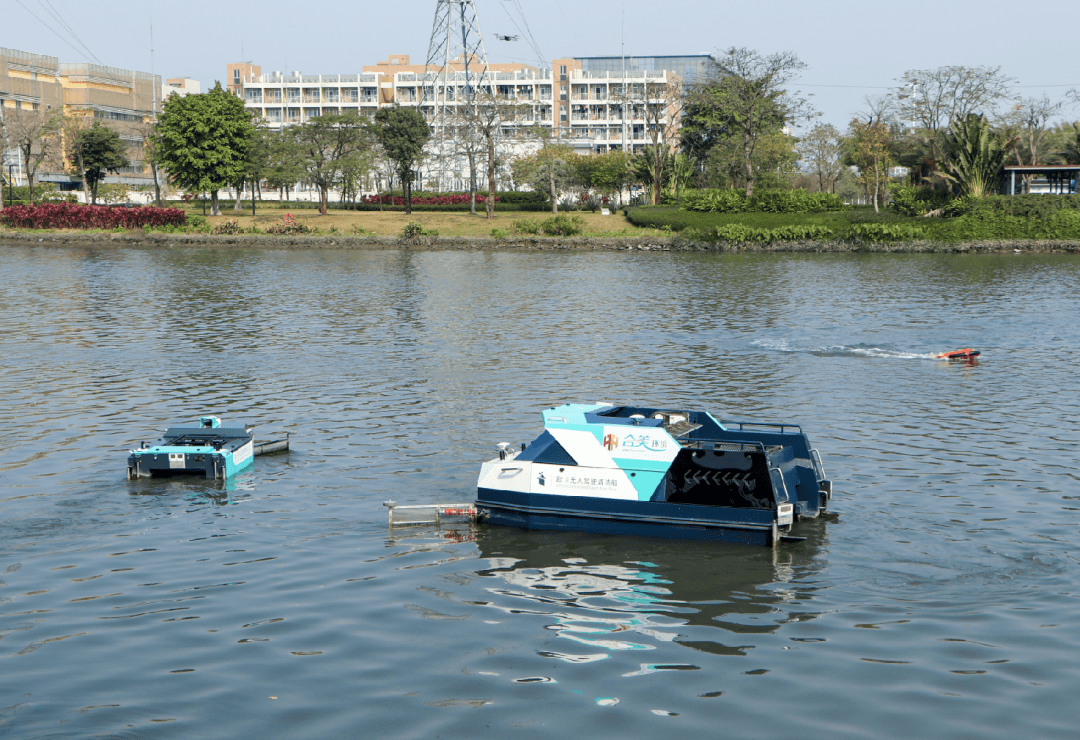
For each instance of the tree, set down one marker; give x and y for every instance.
(1065, 142)
(975, 156)
(608, 173)
(70, 128)
(148, 132)
(550, 169)
(98, 150)
(356, 170)
(821, 150)
(773, 161)
(203, 141)
(283, 166)
(660, 104)
(745, 97)
(5, 142)
(871, 149)
(486, 114)
(402, 132)
(644, 169)
(327, 147)
(465, 142)
(931, 99)
(36, 135)
(1028, 125)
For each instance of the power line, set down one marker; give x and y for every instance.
(569, 25)
(20, 2)
(526, 32)
(48, 6)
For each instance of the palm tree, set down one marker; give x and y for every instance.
(975, 156)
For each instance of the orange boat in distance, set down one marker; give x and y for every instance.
(958, 354)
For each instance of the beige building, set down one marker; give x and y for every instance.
(36, 85)
(180, 86)
(593, 111)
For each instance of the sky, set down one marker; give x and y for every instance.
(851, 49)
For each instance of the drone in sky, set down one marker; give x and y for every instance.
(501, 37)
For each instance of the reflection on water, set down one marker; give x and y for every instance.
(704, 597)
(939, 604)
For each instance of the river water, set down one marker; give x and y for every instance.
(941, 600)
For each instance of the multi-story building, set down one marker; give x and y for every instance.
(180, 86)
(122, 99)
(587, 103)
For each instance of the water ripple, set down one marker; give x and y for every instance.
(941, 595)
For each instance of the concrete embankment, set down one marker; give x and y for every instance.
(578, 243)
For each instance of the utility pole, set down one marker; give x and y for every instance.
(4, 153)
(455, 34)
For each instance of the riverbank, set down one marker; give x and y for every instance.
(643, 242)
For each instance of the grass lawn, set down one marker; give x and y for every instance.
(390, 223)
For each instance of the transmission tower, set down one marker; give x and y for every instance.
(456, 70)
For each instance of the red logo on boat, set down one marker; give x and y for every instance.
(611, 441)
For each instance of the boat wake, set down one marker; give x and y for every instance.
(839, 350)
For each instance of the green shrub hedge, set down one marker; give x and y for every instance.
(730, 200)
(560, 225)
(985, 219)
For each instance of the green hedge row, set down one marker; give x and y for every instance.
(504, 196)
(456, 207)
(863, 225)
(730, 200)
(916, 201)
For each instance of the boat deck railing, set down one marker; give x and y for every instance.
(200, 440)
(745, 425)
(723, 445)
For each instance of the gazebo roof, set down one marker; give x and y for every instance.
(1041, 167)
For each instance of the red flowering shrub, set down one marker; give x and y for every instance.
(440, 200)
(75, 216)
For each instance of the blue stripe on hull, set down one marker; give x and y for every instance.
(642, 518)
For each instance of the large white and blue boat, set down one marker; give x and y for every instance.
(656, 472)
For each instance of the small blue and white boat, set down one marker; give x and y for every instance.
(656, 472)
(210, 450)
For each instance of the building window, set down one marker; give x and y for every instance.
(272, 96)
(292, 95)
(350, 95)
(562, 71)
(311, 113)
(253, 95)
(236, 77)
(311, 95)
(330, 95)
(562, 92)
(273, 115)
(109, 115)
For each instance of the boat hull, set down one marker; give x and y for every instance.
(164, 461)
(538, 511)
